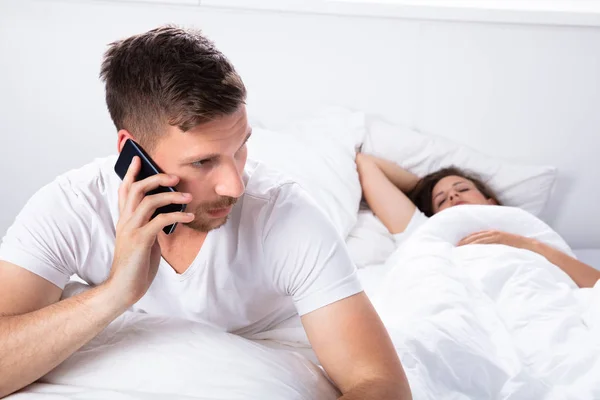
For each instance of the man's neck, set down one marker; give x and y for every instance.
(181, 247)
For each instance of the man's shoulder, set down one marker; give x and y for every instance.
(96, 175)
(91, 186)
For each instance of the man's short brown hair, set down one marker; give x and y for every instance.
(168, 75)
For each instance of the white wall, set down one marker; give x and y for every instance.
(528, 93)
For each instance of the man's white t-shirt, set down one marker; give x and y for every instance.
(276, 257)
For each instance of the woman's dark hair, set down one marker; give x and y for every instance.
(422, 194)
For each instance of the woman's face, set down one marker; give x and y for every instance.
(453, 191)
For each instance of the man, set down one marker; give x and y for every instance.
(250, 252)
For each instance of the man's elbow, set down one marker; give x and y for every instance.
(5, 388)
(8, 382)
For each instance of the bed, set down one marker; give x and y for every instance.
(482, 321)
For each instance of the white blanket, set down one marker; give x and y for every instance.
(490, 321)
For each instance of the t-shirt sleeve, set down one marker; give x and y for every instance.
(307, 258)
(48, 236)
(417, 220)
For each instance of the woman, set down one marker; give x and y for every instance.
(403, 202)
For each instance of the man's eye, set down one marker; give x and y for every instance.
(202, 163)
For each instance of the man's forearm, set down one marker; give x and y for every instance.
(379, 390)
(582, 274)
(33, 344)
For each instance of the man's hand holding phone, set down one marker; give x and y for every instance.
(137, 252)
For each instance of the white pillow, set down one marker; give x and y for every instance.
(523, 186)
(319, 153)
(179, 358)
(369, 242)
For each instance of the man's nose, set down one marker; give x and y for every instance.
(230, 181)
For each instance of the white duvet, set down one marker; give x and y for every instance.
(490, 321)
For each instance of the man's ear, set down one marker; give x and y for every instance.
(122, 137)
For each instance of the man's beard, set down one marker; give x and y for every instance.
(203, 222)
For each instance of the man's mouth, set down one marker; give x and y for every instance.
(219, 212)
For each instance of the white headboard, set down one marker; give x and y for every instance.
(527, 92)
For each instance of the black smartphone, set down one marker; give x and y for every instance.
(149, 168)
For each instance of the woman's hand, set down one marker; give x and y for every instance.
(497, 237)
(582, 274)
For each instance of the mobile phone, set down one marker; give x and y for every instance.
(148, 168)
